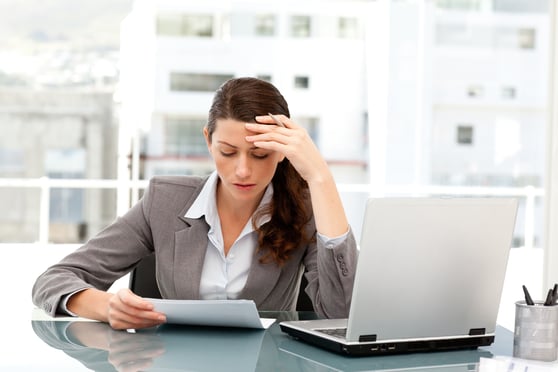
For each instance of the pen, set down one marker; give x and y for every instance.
(528, 299)
(549, 299)
(276, 120)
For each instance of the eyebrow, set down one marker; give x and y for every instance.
(236, 147)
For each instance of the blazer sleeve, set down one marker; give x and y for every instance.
(330, 272)
(101, 261)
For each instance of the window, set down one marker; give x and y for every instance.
(349, 28)
(521, 6)
(514, 38)
(301, 82)
(66, 205)
(264, 25)
(508, 92)
(200, 25)
(197, 25)
(11, 160)
(475, 91)
(485, 36)
(300, 26)
(459, 4)
(184, 82)
(169, 24)
(183, 136)
(526, 38)
(464, 135)
(311, 126)
(264, 77)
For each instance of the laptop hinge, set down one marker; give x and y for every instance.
(477, 331)
(367, 338)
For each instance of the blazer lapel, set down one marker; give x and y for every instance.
(189, 255)
(262, 278)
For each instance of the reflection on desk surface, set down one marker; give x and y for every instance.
(98, 347)
(309, 358)
(166, 348)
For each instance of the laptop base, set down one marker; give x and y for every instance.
(389, 348)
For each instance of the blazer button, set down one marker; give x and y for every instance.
(344, 272)
(339, 257)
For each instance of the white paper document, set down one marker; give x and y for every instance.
(220, 313)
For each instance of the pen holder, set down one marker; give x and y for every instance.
(536, 331)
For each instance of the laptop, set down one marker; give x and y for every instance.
(309, 358)
(429, 277)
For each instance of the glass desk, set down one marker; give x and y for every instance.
(61, 344)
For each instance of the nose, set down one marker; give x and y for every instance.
(243, 167)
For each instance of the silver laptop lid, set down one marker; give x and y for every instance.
(430, 267)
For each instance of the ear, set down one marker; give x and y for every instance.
(207, 138)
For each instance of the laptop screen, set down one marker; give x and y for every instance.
(430, 267)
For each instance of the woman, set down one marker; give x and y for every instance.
(270, 211)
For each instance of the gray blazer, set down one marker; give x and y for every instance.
(157, 224)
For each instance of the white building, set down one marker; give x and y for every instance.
(394, 93)
(314, 55)
(468, 95)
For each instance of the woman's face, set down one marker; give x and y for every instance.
(244, 170)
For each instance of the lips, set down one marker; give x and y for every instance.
(244, 187)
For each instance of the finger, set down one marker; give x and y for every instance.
(133, 316)
(272, 145)
(133, 306)
(268, 119)
(269, 137)
(123, 315)
(138, 306)
(269, 144)
(266, 128)
(131, 299)
(272, 118)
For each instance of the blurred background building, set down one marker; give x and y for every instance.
(466, 83)
(398, 95)
(57, 134)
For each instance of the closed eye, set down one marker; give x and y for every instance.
(260, 156)
(255, 155)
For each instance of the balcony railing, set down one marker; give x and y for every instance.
(127, 195)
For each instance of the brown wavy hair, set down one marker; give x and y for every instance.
(242, 99)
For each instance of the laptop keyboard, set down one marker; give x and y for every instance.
(335, 332)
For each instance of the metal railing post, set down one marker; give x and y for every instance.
(44, 210)
(529, 217)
